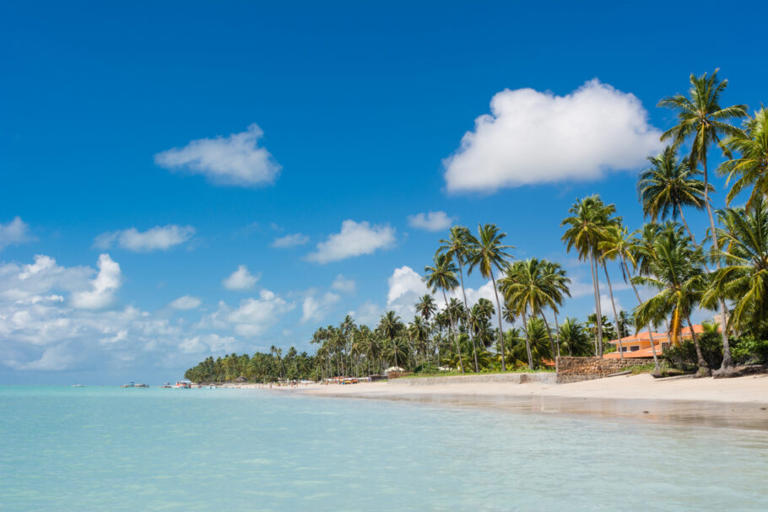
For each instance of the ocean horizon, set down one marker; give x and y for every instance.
(107, 448)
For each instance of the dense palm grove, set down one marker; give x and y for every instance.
(724, 270)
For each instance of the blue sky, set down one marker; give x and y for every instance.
(359, 114)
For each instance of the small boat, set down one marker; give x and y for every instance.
(78, 385)
(183, 384)
(167, 385)
(134, 385)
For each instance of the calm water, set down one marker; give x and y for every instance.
(99, 449)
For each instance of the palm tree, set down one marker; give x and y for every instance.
(442, 276)
(743, 278)
(426, 307)
(528, 288)
(459, 247)
(751, 167)
(390, 328)
(586, 227)
(573, 337)
(612, 225)
(669, 185)
(558, 289)
(703, 121)
(488, 254)
(677, 272)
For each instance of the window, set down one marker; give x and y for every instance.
(634, 348)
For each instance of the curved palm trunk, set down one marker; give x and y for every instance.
(557, 341)
(527, 341)
(452, 333)
(464, 294)
(701, 363)
(501, 333)
(688, 229)
(613, 305)
(596, 286)
(549, 334)
(727, 363)
(650, 327)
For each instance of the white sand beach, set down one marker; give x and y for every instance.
(739, 402)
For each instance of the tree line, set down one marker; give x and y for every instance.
(724, 269)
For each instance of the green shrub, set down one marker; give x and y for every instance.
(750, 351)
(684, 357)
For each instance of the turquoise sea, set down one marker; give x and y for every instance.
(112, 449)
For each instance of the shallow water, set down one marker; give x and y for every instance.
(82, 449)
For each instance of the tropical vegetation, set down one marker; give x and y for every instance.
(674, 273)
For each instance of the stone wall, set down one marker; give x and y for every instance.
(512, 378)
(575, 369)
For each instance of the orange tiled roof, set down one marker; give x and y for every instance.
(641, 336)
(643, 352)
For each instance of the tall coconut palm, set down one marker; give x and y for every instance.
(744, 276)
(528, 289)
(442, 276)
(426, 307)
(459, 248)
(573, 337)
(391, 327)
(702, 121)
(677, 272)
(668, 186)
(585, 229)
(750, 168)
(487, 254)
(559, 289)
(480, 322)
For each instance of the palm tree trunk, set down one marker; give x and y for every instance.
(613, 305)
(464, 294)
(452, 333)
(596, 286)
(688, 229)
(557, 340)
(701, 363)
(501, 332)
(650, 327)
(549, 334)
(727, 362)
(527, 341)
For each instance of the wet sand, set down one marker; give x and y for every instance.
(733, 403)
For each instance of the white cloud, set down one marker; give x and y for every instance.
(316, 308)
(367, 314)
(208, 343)
(54, 358)
(240, 279)
(579, 288)
(234, 160)
(103, 287)
(293, 240)
(158, 238)
(342, 284)
(186, 302)
(255, 316)
(605, 305)
(13, 233)
(406, 287)
(430, 221)
(537, 137)
(355, 239)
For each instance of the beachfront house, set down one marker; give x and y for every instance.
(639, 345)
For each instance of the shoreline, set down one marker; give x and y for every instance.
(740, 402)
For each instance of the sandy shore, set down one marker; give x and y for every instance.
(740, 402)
